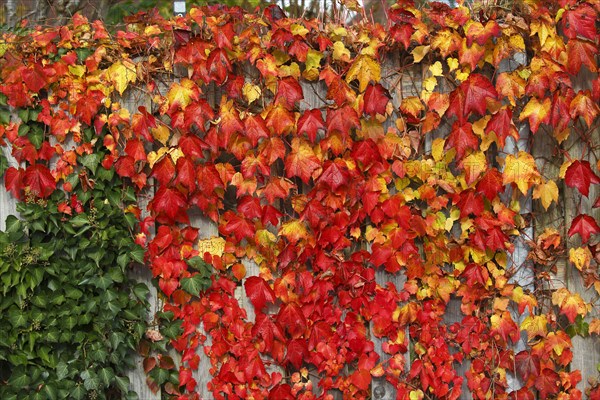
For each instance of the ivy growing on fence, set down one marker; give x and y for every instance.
(336, 158)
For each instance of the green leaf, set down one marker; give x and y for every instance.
(13, 224)
(78, 392)
(106, 376)
(62, 370)
(3, 163)
(4, 116)
(141, 291)
(137, 254)
(195, 284)
(50, 391)
(90, 380)
(91, 161)
(36, 136)
(80, 220)
(19, 378)
(23, 114)
(199, 264)
(17, 318)
(122, 383)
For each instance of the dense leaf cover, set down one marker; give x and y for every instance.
(303, 144)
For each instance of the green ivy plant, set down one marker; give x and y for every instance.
(71, 315)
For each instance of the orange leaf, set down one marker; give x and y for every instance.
(537, 112)
(520, 170)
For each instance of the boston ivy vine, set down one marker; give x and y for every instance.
(328, 156)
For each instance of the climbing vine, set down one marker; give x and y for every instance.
(72, 316)
(375, 175)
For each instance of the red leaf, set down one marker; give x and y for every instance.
(142, 123)
(192, 146)
(470, 203)
(259, 292)
(218, 65)
(301, 161)
(297, 352)
(580, 175)
(361, 379)
(476, 274)
(528, 366)
(281, 392)
(292, 320)
(34, 77)
(168, 286)
(490, 185)
(289, 92)
(39, 180)
(186, 174)
(585, 225)
(169, 205)
(249, 207)
(198, 113)
(267, 329)
(280, 120)
(342, 120)
(376, 98)
(13, 181)
(474, 94)
(164, 170)
(547, 383)
(256, 128)
(335, 174)
(462, 138)
(581, 52)
(580, 21)
(310, 122)
(502, 125)
(135, 149)
(237, 225)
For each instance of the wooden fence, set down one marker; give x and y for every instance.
(403, 83)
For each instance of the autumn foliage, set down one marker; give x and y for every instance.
(374, 175)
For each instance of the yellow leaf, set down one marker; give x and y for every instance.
(293, 230)
(547, 192)
(175, 154)
(430, 83)
(420, 52)
(462, 75)
(537, 112)
(182, 93)
(120, 74)
(251, 92)
(416, 395)
(155, 156)
(580, 257)
(437, 148)
(339, 32)
(340, 52)
(535, 325)
(520, 170)
(473, 165)
(517, 43)
(563, 168)
(436, 69)
(452, 63)
(594, 326)
(214, 246)
(365, 69)
(161, 133)
(298, 29)
(77, 70)
(313, 59)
